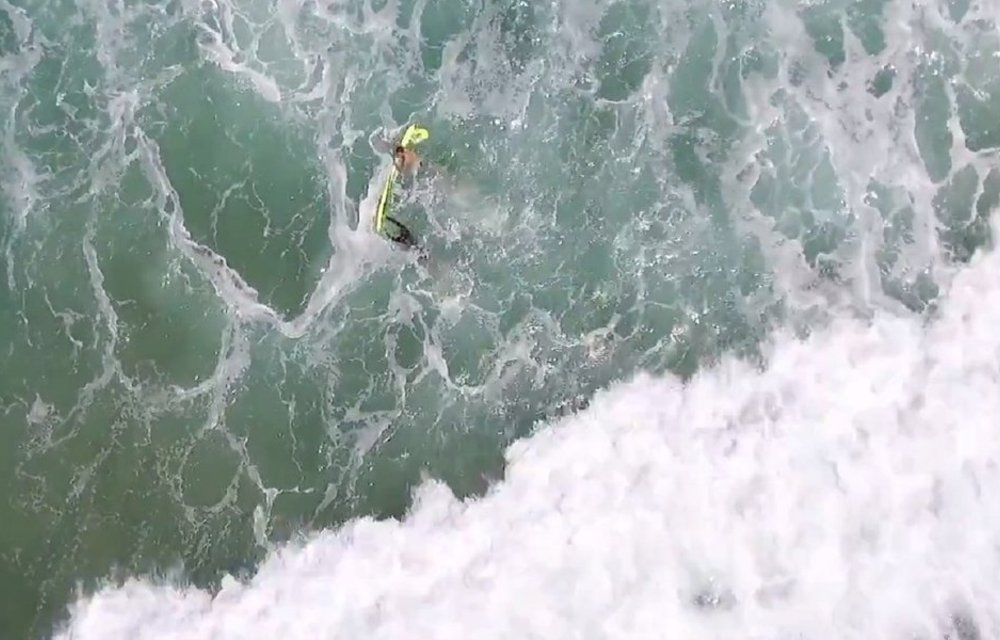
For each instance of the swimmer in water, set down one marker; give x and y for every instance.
(407, 162)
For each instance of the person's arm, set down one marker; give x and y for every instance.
(444, 162)
(380, 143)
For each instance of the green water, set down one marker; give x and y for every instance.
(205, 350)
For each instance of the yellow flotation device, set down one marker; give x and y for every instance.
(414, 135)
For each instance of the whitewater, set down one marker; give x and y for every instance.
(844, 491)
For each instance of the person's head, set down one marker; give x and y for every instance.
(406, 160)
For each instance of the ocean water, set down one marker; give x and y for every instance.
(706, 346)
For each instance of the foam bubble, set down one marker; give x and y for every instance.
(841, 491)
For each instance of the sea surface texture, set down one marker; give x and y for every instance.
(706, 346)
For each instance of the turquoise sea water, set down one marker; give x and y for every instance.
(207, 353)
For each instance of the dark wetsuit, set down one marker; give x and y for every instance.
(402, 235)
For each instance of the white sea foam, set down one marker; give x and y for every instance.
(841, 492)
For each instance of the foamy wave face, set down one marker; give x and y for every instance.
(842, 492)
